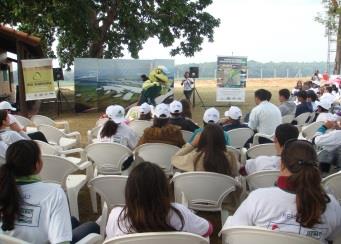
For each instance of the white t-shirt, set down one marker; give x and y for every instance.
(275, 209)
(265, 117)
(328, 97)
(10, 136)
(262, 163)
(3, 148)
(328, 141)
(324, 117)
(192, 223)
(45, 215)
(188, 84)
(124, 135)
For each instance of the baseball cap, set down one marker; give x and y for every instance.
(115, 113)
(144, 108)
(211, 115)
(175, 107)
(4, 105)
(324, 103)
(162, 111)
(234, 113)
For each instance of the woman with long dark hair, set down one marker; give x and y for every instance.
(115, 130)
(207, 152)
(298, 203)
(149, 209)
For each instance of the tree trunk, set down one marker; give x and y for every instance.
(337, 65)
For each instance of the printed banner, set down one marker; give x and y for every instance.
(38, 79)
(102, 82)
(231, 79)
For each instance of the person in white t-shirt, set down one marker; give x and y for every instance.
(298, 204)
(283, 133)
(188, 85)
(114, 130)
(9, 136)
(149, 209)
(323, 108)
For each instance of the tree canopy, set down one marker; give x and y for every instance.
(104, 28)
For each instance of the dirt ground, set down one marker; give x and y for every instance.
(206, 89)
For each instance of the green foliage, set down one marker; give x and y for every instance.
(104, 28)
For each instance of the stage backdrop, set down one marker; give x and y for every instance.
(231, 79)
(38, 79)
(102, 82)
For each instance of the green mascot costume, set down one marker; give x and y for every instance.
(157, 84)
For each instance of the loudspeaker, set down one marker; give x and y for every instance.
(194, 72)
(58, 74)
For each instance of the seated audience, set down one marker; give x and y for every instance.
(149, 208)
(9, 136)
(323, 108)
(303, 106)
(115, 130)
(283, 133)
(328, 138)
(327, 94)
(265, 117)
(46, 212)
(177, 119)
(297, 88)
(211, 116)
(313, 99)
(162, 131)
(145, 112)
(298, 203)
(234, 115)
(286, 107)
(186, 109)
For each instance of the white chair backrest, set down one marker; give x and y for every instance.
(139, 125)
(268, 149)
(92, 134)
(288, 118)
(203, 190)
(261, 179)
(46, 148)
(158, 237)
(5, 239)
(257, 136)
(157, 153)
(133, 113)
(111, 188)
(56, 169)
(108, 157)
(238, 137)
(302, 118)
(235, 151)
(51, 133)
(312, 116)
(23, 121)
(332, 184)
(42, 120)
(309, 131)
(257, 235)
(187, 135)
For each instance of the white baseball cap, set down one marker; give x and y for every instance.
(4, 105)
(211, 115)
(162, 111)
(115, 113)
(144, 108)
(234, 113)
(324, 103)
(175, 107)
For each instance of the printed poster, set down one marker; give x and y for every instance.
(231, 79)
(38, 79)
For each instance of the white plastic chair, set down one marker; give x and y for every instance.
(303, 119)
(309, 131)
(235, 151)
(257, 235)
(158, 237)
(261, 179)
(111, 188)
(56, 137)
(6, 239)
(44, 120)
(157, 153)
(139, 126)
(26, 123)
(332, 184)
(204, 191)
(238, 137)
(267, 149)
(133, 113)
(288, 118)
(60, 170)
(92, 134)
(257, 136)
(187, 135)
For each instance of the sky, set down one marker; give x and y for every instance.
(262, 30)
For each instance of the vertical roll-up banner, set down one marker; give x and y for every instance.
(231, 79)
(38, 79)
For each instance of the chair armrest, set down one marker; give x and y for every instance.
(91, 239)
(63, 124)
(69, 151)
(84, 165)
(243, 155)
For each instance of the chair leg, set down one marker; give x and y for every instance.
(73, 202)
(93, 196)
